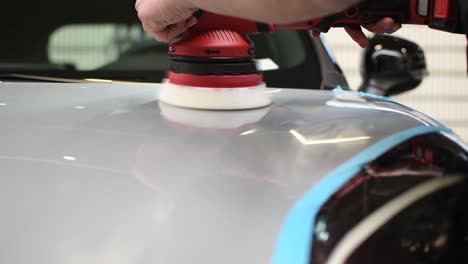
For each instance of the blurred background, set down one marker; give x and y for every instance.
(91, 46)
(443, 94)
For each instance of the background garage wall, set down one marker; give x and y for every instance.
(443, 94)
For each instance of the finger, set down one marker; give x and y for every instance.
(358, 36)
(156, 31)
(173, 30)
(385, 25)
(137, 2)
(166, 34)
(150, 26)
(160, 34)
(190, 22)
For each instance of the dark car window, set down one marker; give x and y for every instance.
(74, 43)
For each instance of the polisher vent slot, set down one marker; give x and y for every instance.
(221, 34)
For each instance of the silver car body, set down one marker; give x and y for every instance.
(104, 173)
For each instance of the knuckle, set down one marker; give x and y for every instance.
(144, 15)
(146, 29)
(141, 14)
(160, 37)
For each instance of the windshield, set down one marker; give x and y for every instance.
(104, 40)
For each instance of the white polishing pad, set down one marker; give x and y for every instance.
(214, 98)
(212, 119)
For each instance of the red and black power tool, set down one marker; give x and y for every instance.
(216, 52)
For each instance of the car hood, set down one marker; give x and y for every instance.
(104, 173)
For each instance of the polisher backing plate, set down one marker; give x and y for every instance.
(239, 98)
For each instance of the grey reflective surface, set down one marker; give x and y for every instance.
(102, 173)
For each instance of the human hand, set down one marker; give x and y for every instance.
(385, 25)
(165, 19)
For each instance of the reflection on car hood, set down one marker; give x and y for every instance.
(104, 173)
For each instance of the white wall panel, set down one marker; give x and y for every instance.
(443, 94)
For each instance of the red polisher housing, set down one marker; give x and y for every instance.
(218, 36)
(215, 81)
(212, 43)
(216, 53)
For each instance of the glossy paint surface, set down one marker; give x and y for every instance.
(104, 173)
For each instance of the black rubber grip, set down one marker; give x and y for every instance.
(197, 14)
(263, 28)
(214, 68)
(366, 12)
